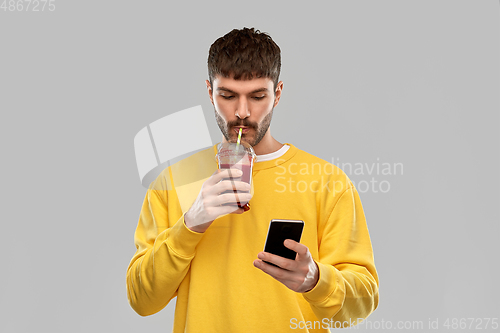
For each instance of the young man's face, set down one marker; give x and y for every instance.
(247, 104)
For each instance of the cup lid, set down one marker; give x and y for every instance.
(227, 148)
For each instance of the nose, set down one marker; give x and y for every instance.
(242, 111)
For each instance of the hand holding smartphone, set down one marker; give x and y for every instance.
(279, 230)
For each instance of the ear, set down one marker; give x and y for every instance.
(277, 93)
(210, 92)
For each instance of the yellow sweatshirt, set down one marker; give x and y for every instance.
(212, 274)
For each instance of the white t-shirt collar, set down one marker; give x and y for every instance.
(268, 157)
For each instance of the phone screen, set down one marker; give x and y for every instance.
(279, 230)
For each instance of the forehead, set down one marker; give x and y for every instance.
(242, 86)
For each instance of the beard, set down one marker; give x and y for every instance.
(260, 129)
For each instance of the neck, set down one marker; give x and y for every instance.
(269, 146)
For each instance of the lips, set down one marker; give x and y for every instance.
(243, 129)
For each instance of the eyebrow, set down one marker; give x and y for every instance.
(252, 92)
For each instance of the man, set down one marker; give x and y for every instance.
(195, 243)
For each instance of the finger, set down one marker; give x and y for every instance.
(232, 198)
(301, 249)
(279, 274)
(224, 210)
(291, 280)
(283, 263)
(230, 186)
(220, 174)
(215, 199)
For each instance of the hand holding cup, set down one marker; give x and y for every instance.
(223, 193)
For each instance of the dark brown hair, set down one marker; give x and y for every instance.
(243, 54)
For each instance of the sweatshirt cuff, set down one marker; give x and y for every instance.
(183, 240)
(327, 283)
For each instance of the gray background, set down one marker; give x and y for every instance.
(411, 82)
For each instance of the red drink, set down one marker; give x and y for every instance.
(245, 168)
(246, 177)
(230, 158)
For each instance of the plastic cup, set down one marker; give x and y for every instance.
(229, 156)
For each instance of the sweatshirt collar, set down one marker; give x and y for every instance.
(275, 162)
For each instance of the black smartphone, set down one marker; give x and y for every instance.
(279, 230)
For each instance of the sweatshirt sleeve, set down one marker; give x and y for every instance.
(347, 289)
(165, 249)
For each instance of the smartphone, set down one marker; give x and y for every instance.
(279, 230)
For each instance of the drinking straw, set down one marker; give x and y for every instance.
(239, 139)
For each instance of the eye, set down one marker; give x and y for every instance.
(258, 98)
(227, 97)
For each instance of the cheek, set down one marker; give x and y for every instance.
(221, 107)
(264, 108)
